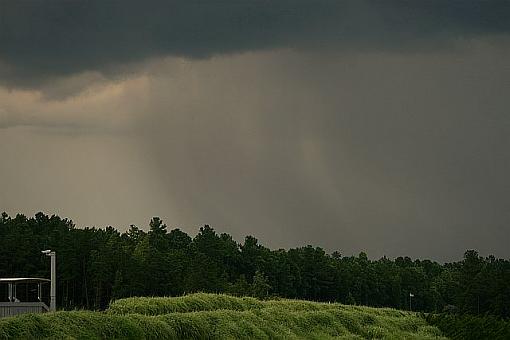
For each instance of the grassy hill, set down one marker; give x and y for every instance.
(213, 316)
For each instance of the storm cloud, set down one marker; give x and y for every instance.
(378, 126)
(40, 41)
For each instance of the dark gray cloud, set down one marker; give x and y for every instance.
(378, 126)
(41, 40)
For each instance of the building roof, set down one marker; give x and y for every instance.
(23, 280)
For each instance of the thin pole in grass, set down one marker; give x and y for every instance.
(411, 295)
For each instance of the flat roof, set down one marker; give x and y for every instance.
(23, 279)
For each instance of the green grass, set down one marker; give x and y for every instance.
(184, 304)
(213, 316)
(471, 327)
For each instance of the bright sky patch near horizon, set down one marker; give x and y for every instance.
(355, 126)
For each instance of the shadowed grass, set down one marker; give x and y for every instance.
(212, 316)
(471, 326)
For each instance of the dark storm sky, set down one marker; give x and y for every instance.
(377, 126)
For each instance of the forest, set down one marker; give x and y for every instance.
(98, 265)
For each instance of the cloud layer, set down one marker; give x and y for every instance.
(41, 41)
(353, 125)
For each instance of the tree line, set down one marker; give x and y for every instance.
(96, 265)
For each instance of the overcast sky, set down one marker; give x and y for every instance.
(376, 126)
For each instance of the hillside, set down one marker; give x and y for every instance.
(214, 316)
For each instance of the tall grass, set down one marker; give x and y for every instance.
(471, 327)
(183, 304)
(211, 316)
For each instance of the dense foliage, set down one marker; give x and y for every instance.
(471, 327)
(211, 316)
(98, 265)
